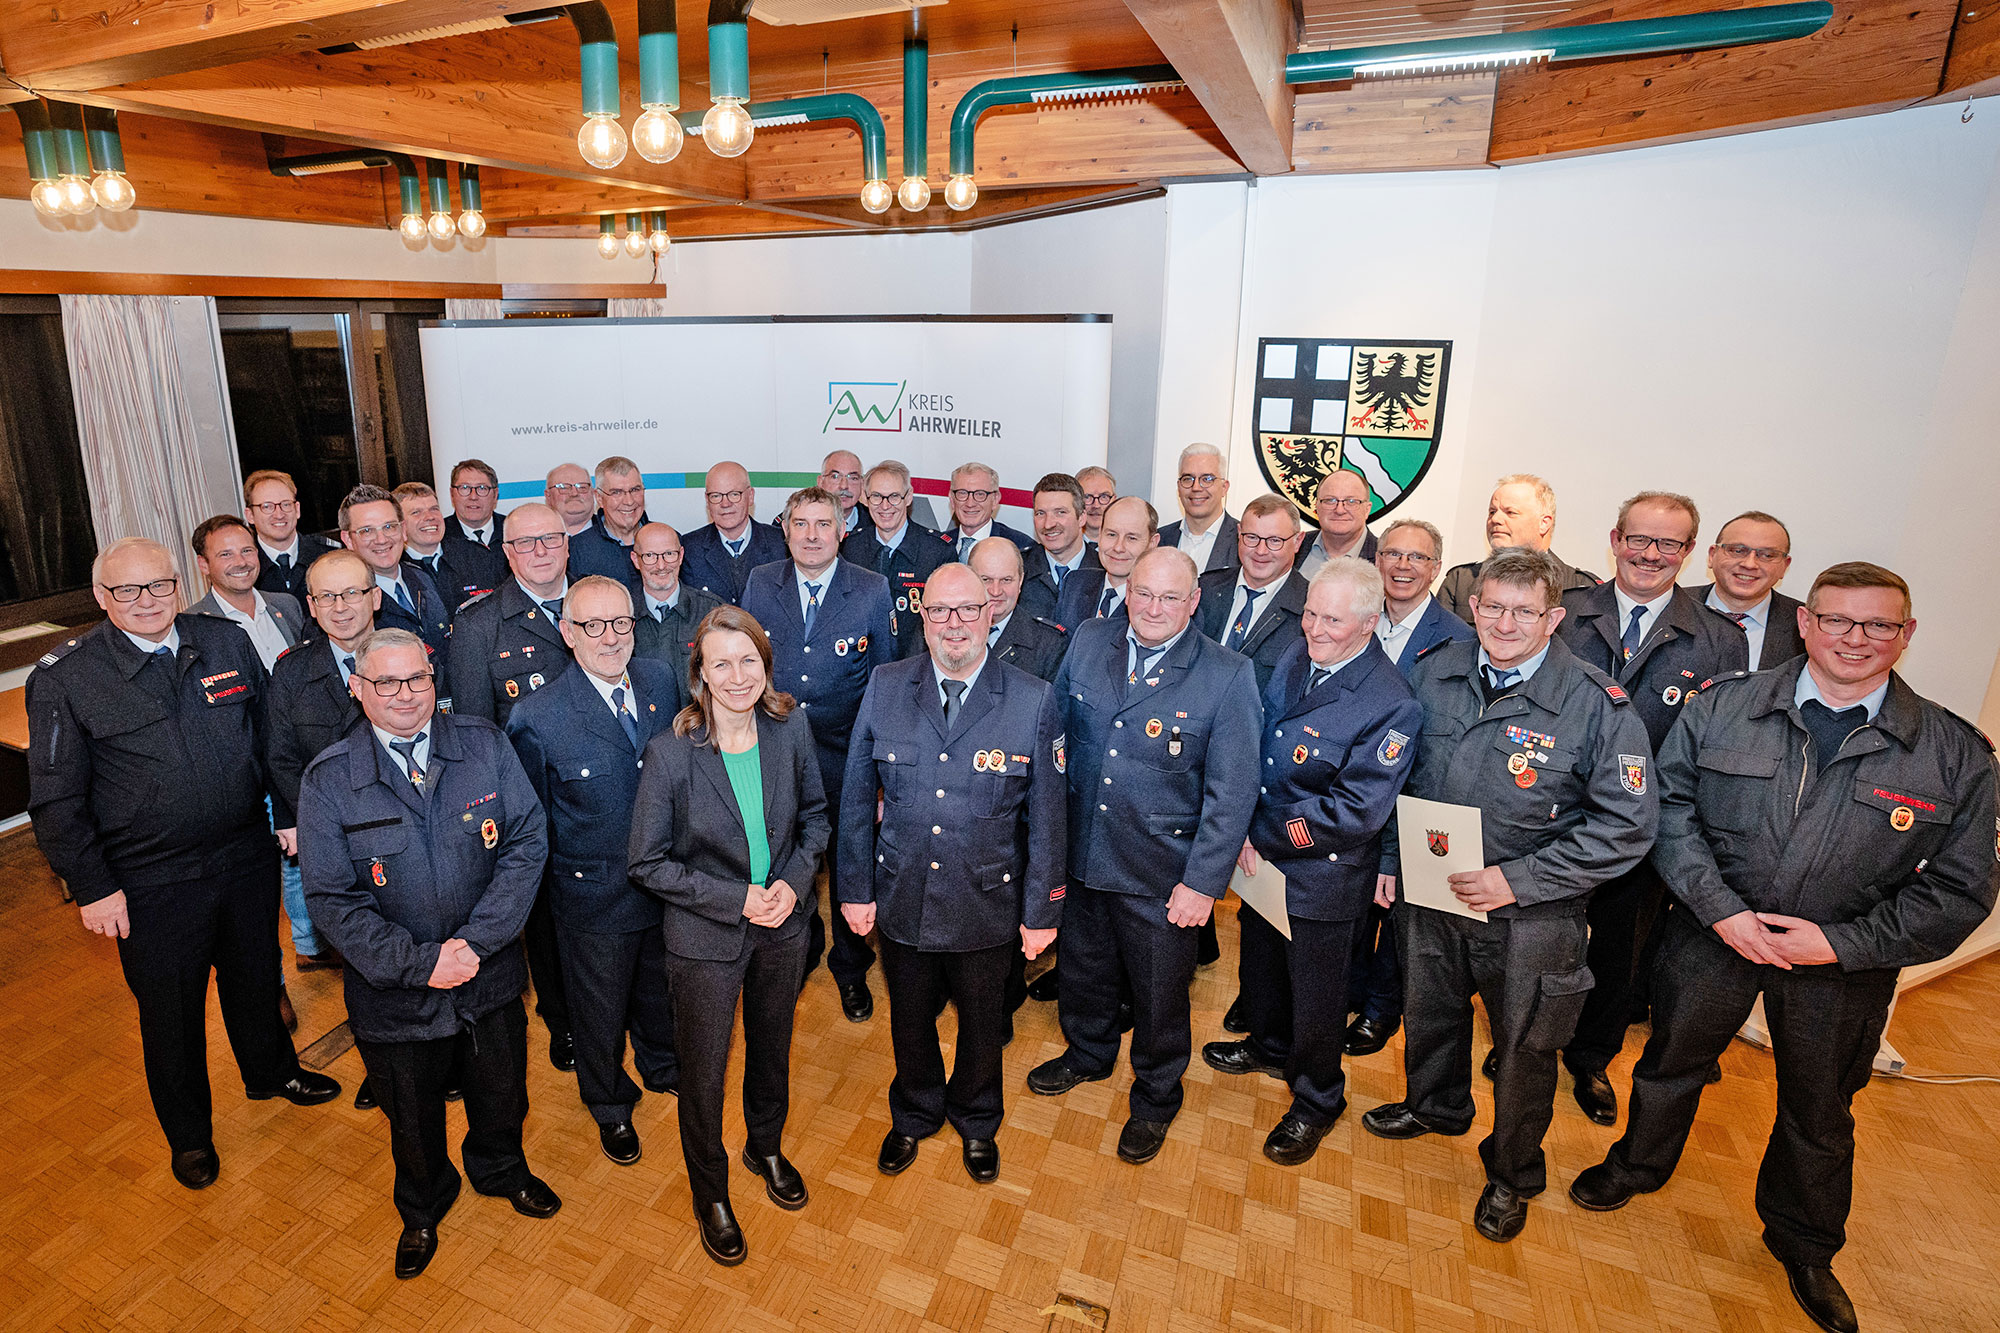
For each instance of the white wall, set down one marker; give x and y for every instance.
(916, 274)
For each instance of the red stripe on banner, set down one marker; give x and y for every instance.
(942, 486)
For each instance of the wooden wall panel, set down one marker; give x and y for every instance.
(1874, 55)
(1395, 125)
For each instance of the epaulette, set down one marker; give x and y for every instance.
(1433, 648)
(1724, 679)
(1612, 689)
(474, 600)
(58, 653)
(1970, 726)
(1044, 620)
(302, 643)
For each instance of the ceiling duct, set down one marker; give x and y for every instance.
(488, 23)
(799, 13)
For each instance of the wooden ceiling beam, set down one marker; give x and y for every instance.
(1232, 54)
(1875, 55)
(1974, 67)
(72, 45)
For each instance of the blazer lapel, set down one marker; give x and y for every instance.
(594, 712)
(708, 762)
(977, 703)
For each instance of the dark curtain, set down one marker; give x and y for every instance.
(293, 413)
(46, 539)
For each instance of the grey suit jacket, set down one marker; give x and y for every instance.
(285, 610)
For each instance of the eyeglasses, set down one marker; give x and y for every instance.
(622, 492)
(548, 541)
(1406, 558)
(617, 624)
(1167, 600)
(1769, 555)
(389, 686)
(964, 615)
(887, 497)
(1254, 542)
(840, 476)
(346, 597)
(1189, 481)
(659, 557)
(1099, 501)
(959, 493)
(129, 592)
(1879, 630)
(1519, 615)
(1638, 543)
(475, 487)
(568, 488)
(389, 529)
(1341, 502)
(725, 497)
(270, 507)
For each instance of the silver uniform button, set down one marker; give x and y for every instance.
(585, 773)
(1333, 856)
(1101, 807)
(1115, 724)
(892, 757)
(808, 647)
(940, 792)
(1281, 731)
(803, 679)
(944, 759)
(1107, 782)
(1114, 754)
(1007, 879)
(937, 828)
(579, 874)
(934, 865)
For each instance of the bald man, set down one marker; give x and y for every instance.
(718, 556)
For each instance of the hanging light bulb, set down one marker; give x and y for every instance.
(727, 128)
(960, 192)
(914, 194)
(471, 221)
(442, 228)
(659, 240)
(113, 192)
(48, 199)
(601, 140)
(635, 243)
(607, 236)
(76, 195)
(876, 196)
(657, 134)
(413, 229)
(472, 224)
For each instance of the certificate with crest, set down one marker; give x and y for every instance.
(1438, 841)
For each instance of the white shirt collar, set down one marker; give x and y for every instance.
(654, 604)
(1138, 654)
(1653, 608)
(1527, 668)
(604, 688)
(539, 601)
(1756, 615)
(891, 540)
(1071, 565)
(483, 534)
(1808, 688)
(422, 754)
(275, 551)
(388, 583)
(172, 643)
(938, 679)
(1386, 629)
(978, 534)
(823, 579)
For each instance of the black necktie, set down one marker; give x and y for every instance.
(408, 749)
(812, 606)
(554, 609)
(347, 663)
(1630, 642)
(954, 690)
(1241, 630)
(1104, 602)
(430, 563)
(1830, 730)
(285, 560)
(403, 598)
(1738, 616)
(625, 719)
(1498, 682)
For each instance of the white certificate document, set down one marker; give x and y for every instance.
(1265, 891)
(1437, 841)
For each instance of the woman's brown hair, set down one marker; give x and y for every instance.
(693, 721)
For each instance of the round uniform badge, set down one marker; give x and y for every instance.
(1902, 819)
(489, 833)
(1671, 695)
(513, 689)
(980, 763)
(1152, 728)
(903, 603)
(1299, 755)
(1517, 764)
(535, 682)
(1525, 778)
(996, 761)
(861, 644)
(840, 647)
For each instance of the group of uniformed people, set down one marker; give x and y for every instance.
(569, 743)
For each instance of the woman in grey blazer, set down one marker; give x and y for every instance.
(735, 925)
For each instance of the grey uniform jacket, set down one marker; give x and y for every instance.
(1454, 590)
(1889, 850)
(1591, 809)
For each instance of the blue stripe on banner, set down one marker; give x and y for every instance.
(669, 481)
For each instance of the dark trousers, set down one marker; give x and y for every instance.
(1104, 933)
(850, 956)
(1621, 914)
(766, 976)
(920, 1100)
(1375, 978)
(1295, 1002)
(618, 981)
(1530, 972)
(1825, 1027)
(489, 1062)
(229, 922)
(538, 941)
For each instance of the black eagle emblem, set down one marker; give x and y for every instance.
(1388, 391)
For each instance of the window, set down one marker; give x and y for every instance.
(46, 538)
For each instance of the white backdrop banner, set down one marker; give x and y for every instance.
(1028, 395)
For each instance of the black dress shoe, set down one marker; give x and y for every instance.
(1045, 987)
(1365, 1036)
(898, 1151)
(1052, 1078)
(1397, 1121)
(670, 1086)
(782, 1182)
(1237, 1057)
(1821, 1296)
(856, 1002)
(620, 1142)
(1501, 1213)
(327, 957)
(1602, 1190)
(1492, 1066)
(197, 1167)
(1125, 1018)
(304, 1088)
(1293, 1142)
(1141, 1140)
(1595, 1095)
(982, 1160)
(1232, 1018)
(364, 1096)
(414, 1250)
(1007, 1032)
(720, 1235)
(562, 1051)
(535, 1199)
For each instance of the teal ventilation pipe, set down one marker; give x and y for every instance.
(601, 139)
(727, 128)
(959, 190)
(409, 185)
(38, 137)
(1589, 41)
(852, 107)
(914, 194)
(656, 134)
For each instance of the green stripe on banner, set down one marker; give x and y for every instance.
(671, 481)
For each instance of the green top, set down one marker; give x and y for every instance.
(746, 779)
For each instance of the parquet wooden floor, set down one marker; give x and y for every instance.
(298, 1233)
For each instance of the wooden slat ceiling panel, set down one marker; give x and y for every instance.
(1340, 23)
